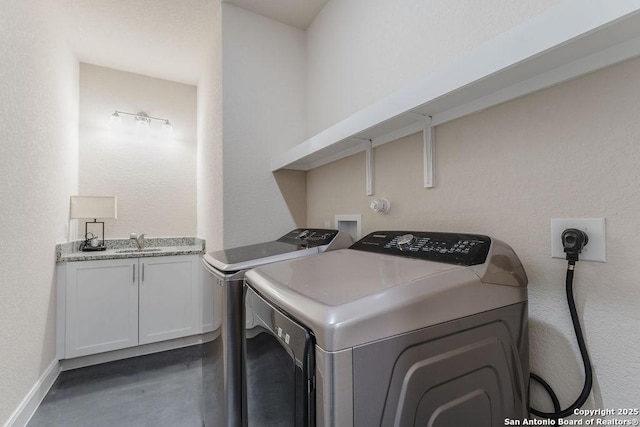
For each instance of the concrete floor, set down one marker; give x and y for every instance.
(163, 389)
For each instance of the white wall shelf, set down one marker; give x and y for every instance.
(567, 41)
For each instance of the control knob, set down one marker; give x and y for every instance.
(405, 241)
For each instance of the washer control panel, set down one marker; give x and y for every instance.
(450, 248)
(309, 237)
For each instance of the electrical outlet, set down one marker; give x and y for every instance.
(595, 250)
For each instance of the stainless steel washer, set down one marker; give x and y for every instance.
(402, 329)
(222, 360)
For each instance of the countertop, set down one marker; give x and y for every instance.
(160, 246)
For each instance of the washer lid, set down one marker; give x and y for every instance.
(296, 243)
(244, 257)
(349, 297)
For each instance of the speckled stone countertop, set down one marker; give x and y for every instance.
(126, 248)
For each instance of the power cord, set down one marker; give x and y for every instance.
(573, 241)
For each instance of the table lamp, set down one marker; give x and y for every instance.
(93, 207)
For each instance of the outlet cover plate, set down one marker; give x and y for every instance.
(595, 250)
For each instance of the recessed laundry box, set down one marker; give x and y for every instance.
(401, 329)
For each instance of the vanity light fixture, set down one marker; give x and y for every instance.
(115, 119)
(142, 119)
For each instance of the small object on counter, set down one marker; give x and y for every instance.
(92, 243)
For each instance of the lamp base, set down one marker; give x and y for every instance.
(93, 248)
(86, 247)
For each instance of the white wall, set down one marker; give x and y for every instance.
(153, 175)
(38, 173)
(569, 151)
(263, 107)
(361, 50)
(209, 156)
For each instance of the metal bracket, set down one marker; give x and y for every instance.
(428, 135)
(428, 156)
(370, 171)
(369, 163)
(427, 152)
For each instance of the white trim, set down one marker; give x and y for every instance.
(32, 400)
(397, 134)
(597, 61)
(61, 309)
(394, 135)
(353, 218)
(550, 48)
(140, 350)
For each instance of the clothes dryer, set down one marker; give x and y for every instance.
(222, 359)
(402, 329)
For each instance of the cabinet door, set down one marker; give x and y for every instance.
(169, 295)
(101, 306)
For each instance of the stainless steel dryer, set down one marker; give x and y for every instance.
(402, 329)
(222, 359)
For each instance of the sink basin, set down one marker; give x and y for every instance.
(135, 251)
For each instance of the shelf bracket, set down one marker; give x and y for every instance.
(369, 162)
(369, 154)
(428, 139)
(428, 136)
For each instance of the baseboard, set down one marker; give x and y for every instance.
(32, 400)
(140, 350)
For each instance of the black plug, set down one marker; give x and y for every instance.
(573, 240)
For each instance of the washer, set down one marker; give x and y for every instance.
(402, 329)
(222, 356)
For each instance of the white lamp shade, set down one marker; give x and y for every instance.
(94, 207)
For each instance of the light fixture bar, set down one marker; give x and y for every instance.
(143, 117)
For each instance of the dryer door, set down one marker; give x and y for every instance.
(279, 357)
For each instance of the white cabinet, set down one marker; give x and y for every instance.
(168, 298)
(211, 295)
(101, 306)
(112, 304)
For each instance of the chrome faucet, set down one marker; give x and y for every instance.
(138, 239)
